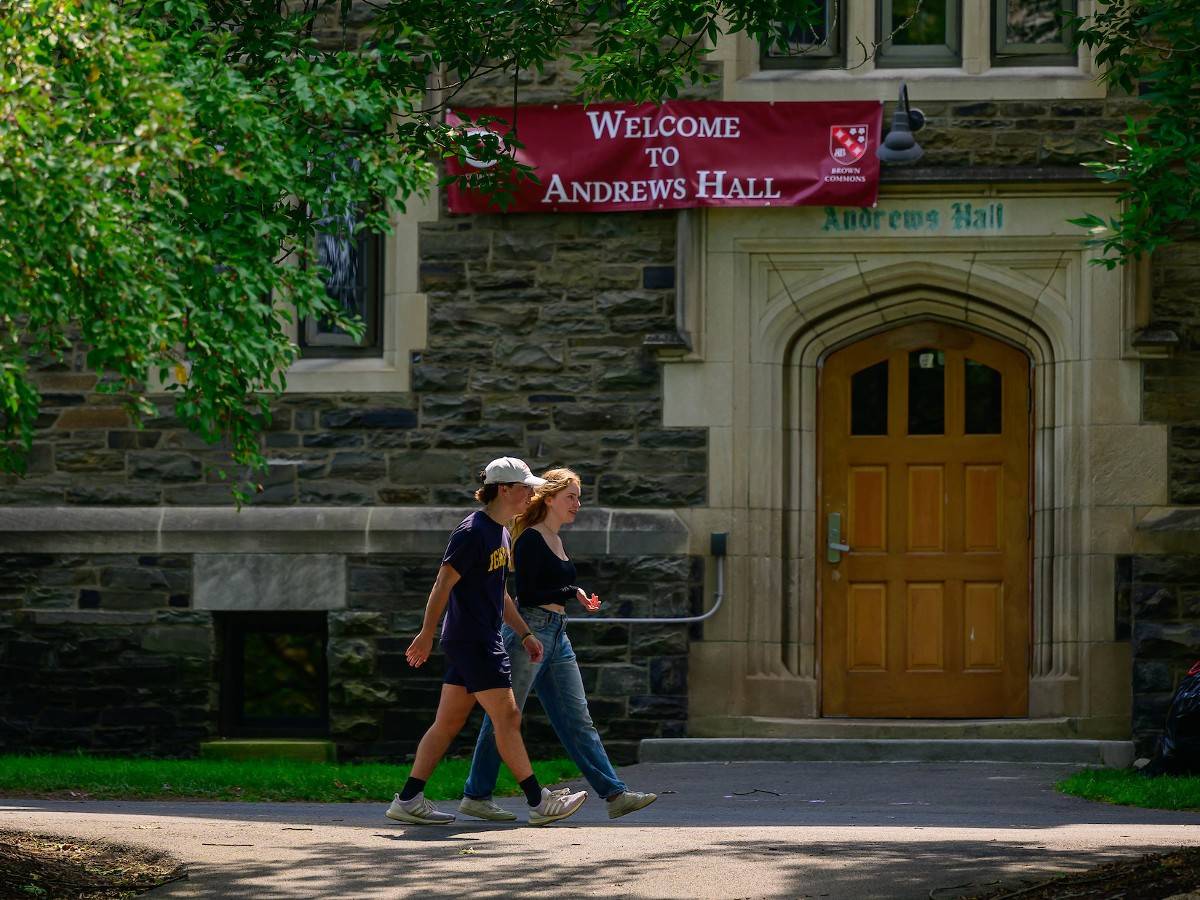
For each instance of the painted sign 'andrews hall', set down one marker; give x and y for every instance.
(610, 157)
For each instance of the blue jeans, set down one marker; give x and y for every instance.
(560, 688)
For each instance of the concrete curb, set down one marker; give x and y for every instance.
(1117, 754)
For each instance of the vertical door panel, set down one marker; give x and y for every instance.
(926, 503)
(926, 635)
(866, 619)
(982, 625)
(867, 526)
(984, 501)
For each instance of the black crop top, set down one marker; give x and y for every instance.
(540, 575)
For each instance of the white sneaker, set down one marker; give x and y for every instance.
(417, 811)
(627, 802)
(485, 809)
(556, 805)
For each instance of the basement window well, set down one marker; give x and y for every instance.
(274, 678)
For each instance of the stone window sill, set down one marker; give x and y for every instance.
(405, 323)
(930, 84)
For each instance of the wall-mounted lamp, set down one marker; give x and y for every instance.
(899, 146)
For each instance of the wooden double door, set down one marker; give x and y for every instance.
(925, 530)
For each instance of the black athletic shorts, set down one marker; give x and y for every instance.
(477, 667)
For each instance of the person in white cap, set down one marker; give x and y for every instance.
(470, 590)
(545, 584)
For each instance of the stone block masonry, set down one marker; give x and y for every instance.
(536, 325)
(636, 676)
(1162, 593)
(1022, 133)
(1162, 606)
(1171, 387)
(107, 653)
(102, 653)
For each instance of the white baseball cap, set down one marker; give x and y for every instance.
(510, 470)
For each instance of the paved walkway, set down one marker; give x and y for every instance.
(838, 830)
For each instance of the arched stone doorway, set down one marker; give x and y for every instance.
(1041, 337)
(779, 293)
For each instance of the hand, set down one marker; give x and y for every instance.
(533, 647)
(418, 651)
(591, 604)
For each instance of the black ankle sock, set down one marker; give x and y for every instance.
(412, 787)
(533, 790)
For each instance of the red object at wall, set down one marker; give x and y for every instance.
(619, 157)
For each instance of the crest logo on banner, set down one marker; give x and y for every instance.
(847, 143)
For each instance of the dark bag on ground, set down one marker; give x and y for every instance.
(1179, 747)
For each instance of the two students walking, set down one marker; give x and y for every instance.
(497, 652)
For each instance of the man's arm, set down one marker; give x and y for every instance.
(422, 645)
(512, 615)
(512, 618)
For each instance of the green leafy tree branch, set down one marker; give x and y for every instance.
(166, 166)
(1151, 49)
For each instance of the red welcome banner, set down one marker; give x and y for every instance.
(611, 157)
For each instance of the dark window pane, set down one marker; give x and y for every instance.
(926, 392)
(928, 25)
(282, 675)
(868, 400)
(345, 259)
(814, 33)
(983, 410)
(1034, 22)
(351, 267)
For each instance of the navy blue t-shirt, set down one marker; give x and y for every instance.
(479, 552)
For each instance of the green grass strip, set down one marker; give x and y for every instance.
(107, 778)
(1127, 787)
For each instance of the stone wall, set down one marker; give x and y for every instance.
(1015, 133)
(1172, 386)
(536, 330)
(536, 327)
(1164, 601)
(635, 675)
(1164, 591)
(104, 653)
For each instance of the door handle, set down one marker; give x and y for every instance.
(834, 548)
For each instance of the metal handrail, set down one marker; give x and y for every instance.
(718, 546)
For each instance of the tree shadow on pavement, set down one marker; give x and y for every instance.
(455, 865)
(754, 830)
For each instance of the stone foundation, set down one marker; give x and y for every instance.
(1164, 601)
(107, 653)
